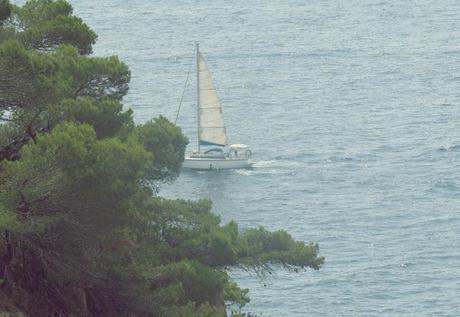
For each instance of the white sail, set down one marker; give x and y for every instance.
(212, 128)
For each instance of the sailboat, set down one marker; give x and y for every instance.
(214, 152)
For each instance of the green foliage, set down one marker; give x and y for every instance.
(69, 161)
(9, 132)
(260, 246)
(95, 77)
(45, 24)
(187, 231)
(236, 295)
(79, 215)
(8, 219)
(26, 78)
(5, 10)
(105, 115)
(42, 90)
(6, 33)
(167, 143)
(192, 310)
(36, 11)
(196, 282)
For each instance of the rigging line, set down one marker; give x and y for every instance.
(183, 93)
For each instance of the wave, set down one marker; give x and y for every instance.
(444, 185)
(433, 154)
(454, 148)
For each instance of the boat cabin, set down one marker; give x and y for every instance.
(239, 151)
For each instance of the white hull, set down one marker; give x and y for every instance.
(201, 163)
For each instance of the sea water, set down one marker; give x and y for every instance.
(352, 110)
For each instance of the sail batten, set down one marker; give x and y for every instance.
(212, 127)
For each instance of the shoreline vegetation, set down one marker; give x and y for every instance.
(83, 231)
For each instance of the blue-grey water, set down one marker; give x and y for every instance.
(352, 110)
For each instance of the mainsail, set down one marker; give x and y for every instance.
(211, 124)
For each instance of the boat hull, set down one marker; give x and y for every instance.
(199, 163)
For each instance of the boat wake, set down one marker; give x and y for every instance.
(260, 164)
(244, 172)
(269, 167)
(275, 163)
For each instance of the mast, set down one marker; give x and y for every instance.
(198, 92)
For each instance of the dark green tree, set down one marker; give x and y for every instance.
(83, 231)
(44, 25)
(167, 143)
(38, 88)
(5, 10)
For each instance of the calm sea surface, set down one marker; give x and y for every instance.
(352, 109)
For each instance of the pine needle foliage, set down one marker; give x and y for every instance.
(83, 231)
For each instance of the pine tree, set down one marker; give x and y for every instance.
(83, 229)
